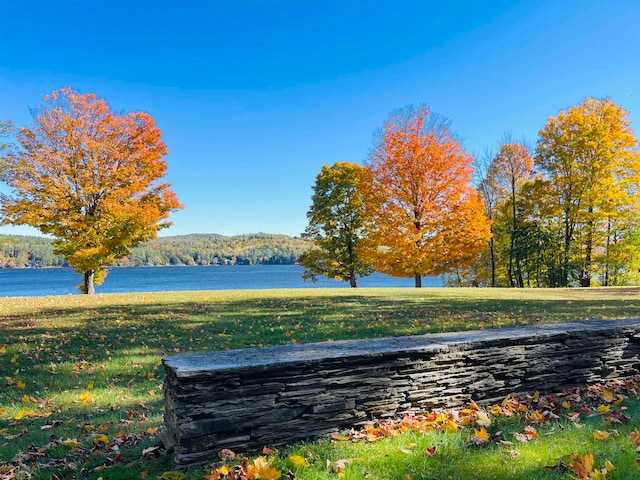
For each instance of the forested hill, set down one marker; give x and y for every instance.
(195, 249)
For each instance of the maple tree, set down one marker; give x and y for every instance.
(89, 178)
(588, 153)
(335, 225)
(423, 216)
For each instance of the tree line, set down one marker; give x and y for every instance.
(559, 214)
(18, 251)
(564, 213)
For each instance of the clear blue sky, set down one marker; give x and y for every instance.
(253, 97)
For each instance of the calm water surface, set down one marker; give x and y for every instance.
(63, 281)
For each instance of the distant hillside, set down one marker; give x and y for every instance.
(197, 249)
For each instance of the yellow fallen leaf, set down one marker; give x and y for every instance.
(101, 439)
(24, 413)
(450, 426)
(600, 435)
(85, 398)
(298, 461)
(20, 385)
(607, 395)
(172, 476)
(481, 436)
(70, 442)
(604, 409)
(265, 470)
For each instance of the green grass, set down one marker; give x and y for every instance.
(77, 367)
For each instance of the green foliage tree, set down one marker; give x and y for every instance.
(335, 225)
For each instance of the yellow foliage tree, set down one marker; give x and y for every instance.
(588, 153)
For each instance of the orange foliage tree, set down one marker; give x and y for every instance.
(89, 178)
(424, 216)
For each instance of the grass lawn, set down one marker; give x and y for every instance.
(80, 378)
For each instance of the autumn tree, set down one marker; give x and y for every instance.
(423, 215)
(89, 178)
(588, 153)
(335, 225)
(488, 191)
(6, 127)
(509, 170)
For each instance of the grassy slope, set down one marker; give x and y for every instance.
(85, 366)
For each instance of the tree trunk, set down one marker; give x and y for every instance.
(564, 275)
(493, 258)
(352, 279)
(418, 280)
(585, 277)
(87, 287)
(606, 255)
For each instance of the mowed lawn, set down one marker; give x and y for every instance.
(80, 375)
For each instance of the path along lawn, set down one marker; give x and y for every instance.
(80, 377)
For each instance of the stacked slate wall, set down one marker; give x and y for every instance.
(250, 398)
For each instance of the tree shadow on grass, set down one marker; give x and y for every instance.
(112, 349)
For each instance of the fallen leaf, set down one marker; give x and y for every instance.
(226, 454)
(298, 461)
(341, 464)
(481, 436)
(172, 476)
(511, 453)
(521, 437)
(530, 432)
(482, 419)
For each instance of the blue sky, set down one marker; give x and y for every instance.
(253, 97)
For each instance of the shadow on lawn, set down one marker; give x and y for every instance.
(116, 347)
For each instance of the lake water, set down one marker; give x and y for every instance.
(63, 281)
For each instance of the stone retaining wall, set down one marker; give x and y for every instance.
(251, 398)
